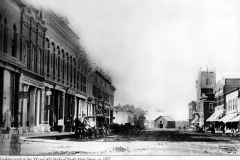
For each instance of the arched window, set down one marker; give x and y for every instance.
(14, 41)
(33, 62)
(5, 36)
(71, 70)
(67, 69)
(74, 73)
(59, 63)
(53, 57)
(47, 60)
(40, 61)
(25, 50)
(0, 32)
(63, 65)
(36, 58)
(207, 81)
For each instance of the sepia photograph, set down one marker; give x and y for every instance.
(119, 79)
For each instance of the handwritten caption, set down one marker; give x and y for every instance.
(55, 158)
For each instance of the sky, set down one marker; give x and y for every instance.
(154, 49)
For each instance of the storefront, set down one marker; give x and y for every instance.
(31, 102)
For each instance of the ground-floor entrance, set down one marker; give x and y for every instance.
(9, 84)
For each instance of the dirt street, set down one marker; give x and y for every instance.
(145, 143)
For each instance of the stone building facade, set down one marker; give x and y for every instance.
(205, 95)
(45, 75)
(191, 108)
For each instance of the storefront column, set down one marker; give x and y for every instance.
(62, 109)
(66, 109)
(24, 109)
(75, 107)
(20, 106)
(42, 109)
(32, 108)
(6, 91)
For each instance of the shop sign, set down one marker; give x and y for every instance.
(105, 114)
(50, 107)
(48, 93)
(24, 95)
(99, 114)
(89, 99)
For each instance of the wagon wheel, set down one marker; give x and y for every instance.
(96, 133)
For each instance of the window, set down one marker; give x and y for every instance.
(161, 122)
(233, 104)
(36, 61)
(40, 62)
(228, 105)
(25, 50)
(236, 103)
(47, 60)
(33, 57)
(63, 65)
(71, 69)
(5, 30)
(210, 107)
(58, 63)
(207, 81)
(14, 41)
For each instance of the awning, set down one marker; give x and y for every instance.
(236, 119)
(209, 119)
(196, 120)
(215, 116)
(228, 117)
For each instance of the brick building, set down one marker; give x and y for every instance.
(221, 88)
(45, 75)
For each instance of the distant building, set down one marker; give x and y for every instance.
(232, 116)
(164, 122)
(123, 116)
(159, 122)
(191, 107)
(205, 96)
(221, 88)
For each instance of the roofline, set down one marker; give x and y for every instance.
(163, 117)
(232, 91)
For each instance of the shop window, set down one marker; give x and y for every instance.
(14, 41)
(210, 107)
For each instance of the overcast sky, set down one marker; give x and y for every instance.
(154, 48)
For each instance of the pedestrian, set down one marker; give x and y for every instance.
(203, 128)
(184, 127)
(213, 129)
(7, 119)
(223, 128)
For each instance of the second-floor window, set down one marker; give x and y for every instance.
(14, 41)
(236, 103)
(210, 107)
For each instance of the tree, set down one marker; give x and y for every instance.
(139, 118)
(139, 114)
